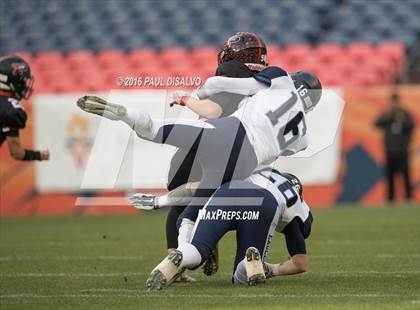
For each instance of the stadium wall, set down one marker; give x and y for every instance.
(349, 170)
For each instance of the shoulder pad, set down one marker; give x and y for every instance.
(268, 74)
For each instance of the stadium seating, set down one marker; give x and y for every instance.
(348, 41)
(358, 64)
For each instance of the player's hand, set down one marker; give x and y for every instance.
(45, 154)
(99, 106)
(178, 97)
(144, 201)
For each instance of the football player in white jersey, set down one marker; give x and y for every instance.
(268, 124)
(266, 201)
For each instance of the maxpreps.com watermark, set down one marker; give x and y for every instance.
(219, 214)
(152, 81)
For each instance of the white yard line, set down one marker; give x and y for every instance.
(122, 274)
(142, 258)
(70, 274)
(110, 241)
(141, 294)
(399, 272)
(355, 242)
(29, 258)
(382, 255)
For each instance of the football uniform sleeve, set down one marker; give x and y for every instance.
(218, 84)
(295, 240)
(14, 120)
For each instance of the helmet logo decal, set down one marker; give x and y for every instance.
(18, 67)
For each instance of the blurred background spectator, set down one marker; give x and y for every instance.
(397, 126)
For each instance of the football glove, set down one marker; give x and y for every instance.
(144, 201)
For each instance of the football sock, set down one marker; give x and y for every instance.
(185, 231)
(141, 122)
(191, 256)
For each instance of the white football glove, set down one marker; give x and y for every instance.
(144, 201)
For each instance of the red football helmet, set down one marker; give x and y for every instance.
(246, 47)
(16, 77)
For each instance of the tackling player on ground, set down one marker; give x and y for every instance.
(275, 200)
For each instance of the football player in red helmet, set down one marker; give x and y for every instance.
(241, 48)
(245, 47)
(15, 85)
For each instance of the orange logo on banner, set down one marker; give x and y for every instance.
(78, 141)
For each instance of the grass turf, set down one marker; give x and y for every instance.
(359, 259)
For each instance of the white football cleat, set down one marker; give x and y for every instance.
(166, 272)
(99, 106)
(144, 201)
(254, 267)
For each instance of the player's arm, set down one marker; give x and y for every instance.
(16, 120)
(296, 264)
(180, 196)
(383, 120)
(15, 148)
(296, 247)
(242, 86)
(19, 153)
(204, 108)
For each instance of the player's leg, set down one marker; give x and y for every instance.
(206, 234)
(254, 235)
(171, 228)
(181, 133)
(224, 148)
(250, 270)
(235, 162)
(184, 167)
(405, 170)
(172, 237)
(238, 205)
(390, 174)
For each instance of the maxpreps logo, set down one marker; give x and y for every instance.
(78, 140)
(223, 215)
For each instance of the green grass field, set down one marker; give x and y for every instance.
(359, 259)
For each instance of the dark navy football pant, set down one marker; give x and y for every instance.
(255, 216)
(224, 153)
